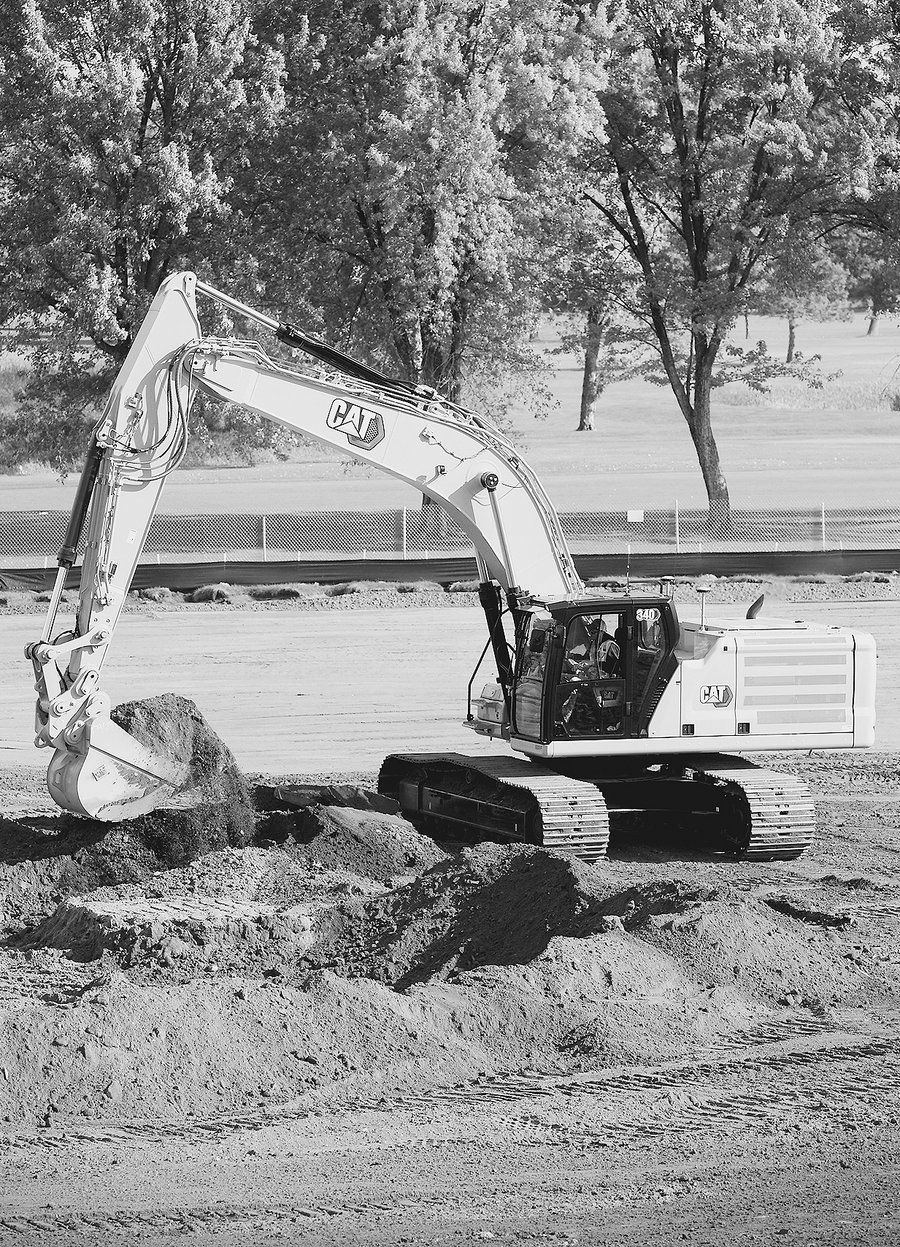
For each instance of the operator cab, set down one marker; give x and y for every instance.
(592, 670)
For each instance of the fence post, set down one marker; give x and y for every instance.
(265, 544)
(677, 529)
(824, 546)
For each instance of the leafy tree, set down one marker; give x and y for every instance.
(873, 263)
(127, 129)
(586, 278)
(806, 283)
(727, 124)
(428, 137)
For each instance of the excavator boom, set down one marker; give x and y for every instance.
(452, 455)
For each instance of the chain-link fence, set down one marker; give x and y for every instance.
(32, 537)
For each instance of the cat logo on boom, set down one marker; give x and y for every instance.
(715, 695)
(360, 426)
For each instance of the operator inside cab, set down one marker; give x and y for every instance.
(592, 687)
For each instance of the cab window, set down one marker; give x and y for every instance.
(530, 677)
(649, 650)
(591, 697)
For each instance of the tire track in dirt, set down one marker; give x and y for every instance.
(835, 1046)
(180, 1221)
(826, 1076)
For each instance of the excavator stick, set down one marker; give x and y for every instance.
(108, 775)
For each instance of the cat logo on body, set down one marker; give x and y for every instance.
(715, 695)
(360, 426)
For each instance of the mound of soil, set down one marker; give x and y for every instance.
(725, 938)
(45, 859)
(365, 843)
(216, 806)
(357, 956)
(491, 905)
(187, 928)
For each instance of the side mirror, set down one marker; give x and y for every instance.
(537, 642)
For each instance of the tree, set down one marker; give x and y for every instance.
(873, 263)
(806, 283)
(586, 284)
(419, 204)
(726, 124)
(126, 129)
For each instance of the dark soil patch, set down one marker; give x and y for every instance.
(44, 858)
(491, 905)
(372, 845)
(217, 807)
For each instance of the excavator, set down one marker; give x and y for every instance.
(608, 704)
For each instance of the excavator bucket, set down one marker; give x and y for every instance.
(110, 776)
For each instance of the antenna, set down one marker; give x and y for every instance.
(628, 569)
(703, 590)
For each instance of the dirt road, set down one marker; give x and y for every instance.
(336, 691)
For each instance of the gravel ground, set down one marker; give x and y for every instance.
(368, 595)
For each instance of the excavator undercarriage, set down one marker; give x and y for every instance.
(746, 811)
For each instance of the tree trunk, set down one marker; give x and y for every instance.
(441, 368)
(700, 424)
(442, 352)
(693, 393)
(433, 372)
(746, 327)
(792, 340)
(592, 383)
(873, 323)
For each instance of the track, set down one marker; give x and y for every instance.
(796, 1043)
(765, 815)
(501, 798)
(770, 816)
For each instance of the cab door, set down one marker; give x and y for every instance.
(593, 697)
(530, 678)
(654, 634)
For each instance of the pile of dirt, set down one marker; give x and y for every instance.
(358, 957)
(490, 905)
(723, 937)
(48, 858)
(375, 846)
(494, 960)
(197, 932)
(231, 910)
(216, 806)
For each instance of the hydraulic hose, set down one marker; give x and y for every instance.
(82, 502)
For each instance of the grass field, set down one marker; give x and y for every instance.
(839, 445)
